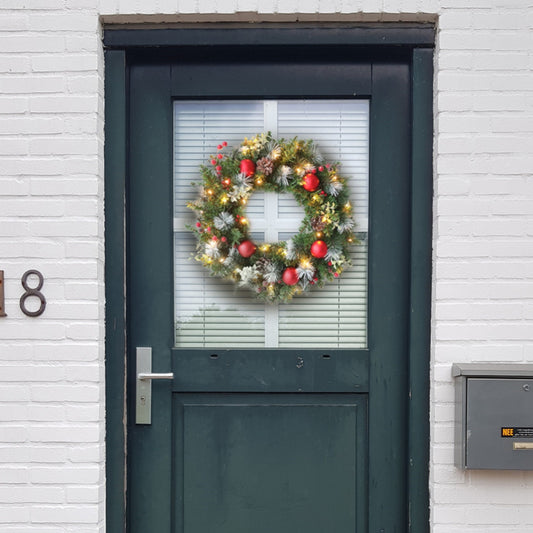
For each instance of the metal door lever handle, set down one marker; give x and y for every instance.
(143, 384)
(151, 375)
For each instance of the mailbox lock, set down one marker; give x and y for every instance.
(526, 387)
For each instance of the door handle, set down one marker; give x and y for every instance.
(150, 375)
(143, 384)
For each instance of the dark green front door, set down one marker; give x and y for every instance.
(284, 440)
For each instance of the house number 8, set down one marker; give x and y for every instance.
(32, 291)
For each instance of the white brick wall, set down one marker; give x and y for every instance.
(51, 146)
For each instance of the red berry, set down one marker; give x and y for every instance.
(219, 147)
(213, 161)
(223, 239)
(198, 225)
(218, 168)
(224, 143)
(220, 156)
(336, 274)
(215, 238)
(208, 229)
(321, 168)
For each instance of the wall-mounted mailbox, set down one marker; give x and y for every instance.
(494, 416)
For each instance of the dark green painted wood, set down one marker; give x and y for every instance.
(115, 341)
(420, 322)
(286, 35)
(150, 303)
(245, 455)
(293, 78)
(152, 496)
(389, 246)
(267, 370)
(271, 462)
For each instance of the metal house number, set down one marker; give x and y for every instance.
(29, 292)
(32, 291)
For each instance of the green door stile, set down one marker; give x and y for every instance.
(213, 424)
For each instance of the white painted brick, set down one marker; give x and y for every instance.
(63, 513)
(65, 63)
(65, 393)
(35, 4)
(85, 454)
(73, 22)
(64, 104)
(14, 63)
(11, 106)
(32, 495)
(32, 84)
(81, 494)
(14, 513)
(68, 434)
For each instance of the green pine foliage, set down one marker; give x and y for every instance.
(229, 180)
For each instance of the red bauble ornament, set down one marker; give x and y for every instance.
(247, 167)
(319, 249)
(310, 182)
(246, 248)
(290, 276)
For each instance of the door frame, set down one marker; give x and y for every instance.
(418, 41)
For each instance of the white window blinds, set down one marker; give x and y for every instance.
(211, 313)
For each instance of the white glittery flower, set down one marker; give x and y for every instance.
(284, 175)
(243, 179)
(305, 270)
(346, 225)
(212, 250)
(239, 191)
(271, 273)
(230, 259)
(290, 250)
(333, 188)
(334, 253)
(224, 221)
(248, 275)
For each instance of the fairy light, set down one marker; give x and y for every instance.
(265, 247)
(259, 181)
(306, 262)
(210, 192)
(243, 201)
(224, 199)
(347, 206)
(318, 234)
(244, 221)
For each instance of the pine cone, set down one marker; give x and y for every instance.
(265, 166)
(317, 224)
(261, 264)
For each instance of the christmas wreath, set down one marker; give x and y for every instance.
(275, 271)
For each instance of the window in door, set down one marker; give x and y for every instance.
(212, 313)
